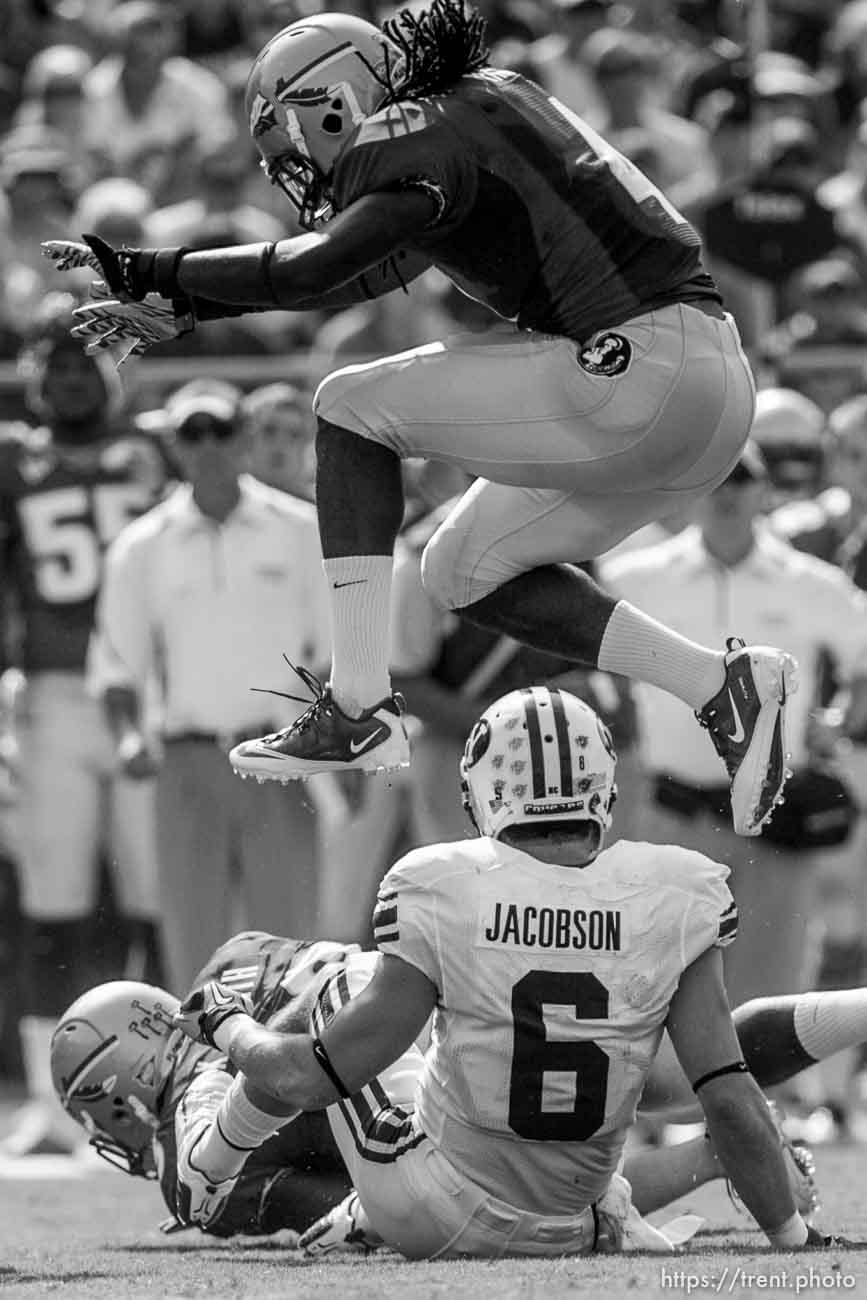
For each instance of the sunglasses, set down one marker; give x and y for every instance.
(740, 475)
(198, 427)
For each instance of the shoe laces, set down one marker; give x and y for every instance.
(317, 689)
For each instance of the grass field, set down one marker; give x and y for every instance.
(96, 1236)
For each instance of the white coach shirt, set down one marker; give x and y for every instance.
(775, 596)
(210, 608)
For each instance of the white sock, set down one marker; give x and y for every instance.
(360, 594)
(827, 1022)
(36, 1033)
(238, 1128)
(636, 645)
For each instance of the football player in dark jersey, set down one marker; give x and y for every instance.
(125, 1075)
(611, 391)
(68, 484)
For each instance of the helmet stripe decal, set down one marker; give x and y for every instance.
(562, 731)
(322, 62)
(94, 1057)
(534, 735)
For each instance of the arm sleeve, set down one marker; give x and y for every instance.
(395, 272)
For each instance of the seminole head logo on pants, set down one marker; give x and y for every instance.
(607, 354)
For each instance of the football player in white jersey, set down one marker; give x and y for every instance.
(550, 968)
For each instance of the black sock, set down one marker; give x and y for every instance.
(771, 1047)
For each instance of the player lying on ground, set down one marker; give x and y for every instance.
(551, 969)
(612, 391)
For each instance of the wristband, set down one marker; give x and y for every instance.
(222, 1035)
(736, 1067)
(324, 1061)
(790, 1235)
(164, 272)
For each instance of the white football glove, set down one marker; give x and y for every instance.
(110, 319)
(208, 1008)
(108, 322)
(68, 255)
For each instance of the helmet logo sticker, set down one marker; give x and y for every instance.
(304, 97)
(74, 1085)
(89, 1091)
(477, 743)
(263, 116)
(155, 1022)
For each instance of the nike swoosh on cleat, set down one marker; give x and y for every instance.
(360, 746)
(354, 582)
(738, 734)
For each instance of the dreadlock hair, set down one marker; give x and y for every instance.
(440, 45)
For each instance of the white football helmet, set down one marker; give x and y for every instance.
(307, 91)
(107, 1067)
(538, 756)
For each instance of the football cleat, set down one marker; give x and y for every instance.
(200, 1200)
(828, 1241)
(343, 1229)
(746, 721)
(325, 739)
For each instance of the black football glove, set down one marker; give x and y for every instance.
(130, 273)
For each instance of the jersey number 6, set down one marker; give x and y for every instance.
(577, 1068)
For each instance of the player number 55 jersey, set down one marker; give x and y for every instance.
(554, 986)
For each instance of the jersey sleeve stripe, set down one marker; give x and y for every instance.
(334, 995)
(380, 1132)
(728, 928)
(384, 916)
(242, 978)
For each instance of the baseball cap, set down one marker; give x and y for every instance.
(213, 405)
(57, 68)
(789, 431)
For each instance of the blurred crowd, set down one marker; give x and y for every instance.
(132, 851)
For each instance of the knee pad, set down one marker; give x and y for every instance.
(440, 570)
